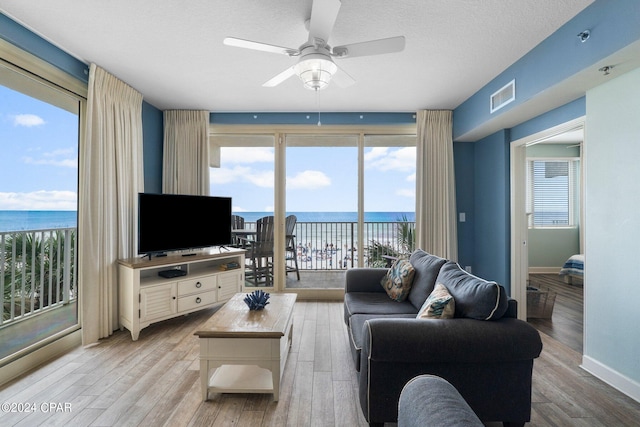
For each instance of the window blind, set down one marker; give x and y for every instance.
(552, 194)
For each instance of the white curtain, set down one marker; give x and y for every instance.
(111, 176)
(185, 167)
(436, 230)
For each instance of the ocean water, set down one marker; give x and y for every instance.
(42, 220)
(336, 216)
(37, 220)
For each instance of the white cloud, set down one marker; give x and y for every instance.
(402, 159)
(27, 120)
(246, 154)
(39, 200)
(406, 192)
(62, 157)
(411, 178)
(308, 180)
(375, 153)
(67, 163)
(263, 179)
(239, 209)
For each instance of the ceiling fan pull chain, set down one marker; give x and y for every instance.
(318, 105)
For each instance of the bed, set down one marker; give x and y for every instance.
(573, 268)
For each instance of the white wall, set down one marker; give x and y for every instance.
(612, 286)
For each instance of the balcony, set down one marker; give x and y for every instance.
(39, 281)
(325, 250)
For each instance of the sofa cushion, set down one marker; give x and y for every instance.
(427, 267)
(475, 298)
(398, 280)
(375, 303)
(439, 305)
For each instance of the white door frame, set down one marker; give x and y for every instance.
(519, 223)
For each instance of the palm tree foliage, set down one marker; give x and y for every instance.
(404, 245)
(34, 266)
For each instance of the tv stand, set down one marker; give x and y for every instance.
(146, 298)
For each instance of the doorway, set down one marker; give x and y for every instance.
(526, 237)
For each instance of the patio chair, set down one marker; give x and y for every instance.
(290, 247)
(259, 255)
(237, 223)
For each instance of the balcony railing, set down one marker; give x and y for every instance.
(38, 267)
(38, 271)
(333, 245)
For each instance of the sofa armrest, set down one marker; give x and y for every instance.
(512, 309)
(406, 341)
(364, 279)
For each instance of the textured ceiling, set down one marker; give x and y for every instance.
(172, 51)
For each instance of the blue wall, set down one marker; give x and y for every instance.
(153, 131)
(312, 118)
(463, 157)
(491, 206)
(552, 118)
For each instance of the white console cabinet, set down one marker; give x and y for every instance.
(145, 297)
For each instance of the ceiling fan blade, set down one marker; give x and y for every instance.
(342, 78)
(323, 17)
(275, 81)
(248, 44)
(373, 47)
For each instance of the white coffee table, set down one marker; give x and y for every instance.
(246, 350)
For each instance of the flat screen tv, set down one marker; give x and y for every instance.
(171, 222)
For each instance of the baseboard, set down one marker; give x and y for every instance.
(615, 379)
(544, 270)
(37, 357)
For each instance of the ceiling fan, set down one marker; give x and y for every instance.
(315, 65)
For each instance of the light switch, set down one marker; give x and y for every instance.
(463, 216)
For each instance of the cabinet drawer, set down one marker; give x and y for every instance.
(195, 301)
(199, 284)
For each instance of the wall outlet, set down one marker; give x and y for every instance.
(467, 268)
(462, 216)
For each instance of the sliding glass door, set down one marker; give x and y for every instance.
(40, 133)
(322, 198)
(338, 197)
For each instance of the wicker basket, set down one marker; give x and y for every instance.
(540, 303)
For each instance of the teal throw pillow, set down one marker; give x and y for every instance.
(397, 282)
(438, 305)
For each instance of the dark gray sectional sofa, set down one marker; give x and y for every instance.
(485, 352)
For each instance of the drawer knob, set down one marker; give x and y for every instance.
(198, 300)
(198, 285)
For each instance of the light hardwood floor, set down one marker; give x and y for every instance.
(155, 382)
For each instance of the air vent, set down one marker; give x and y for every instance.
(504, 96)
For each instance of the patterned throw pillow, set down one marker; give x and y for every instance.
(439, 305)
(397, 282)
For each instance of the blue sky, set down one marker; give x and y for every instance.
(321, 179)
(38, 165)
(39, 168)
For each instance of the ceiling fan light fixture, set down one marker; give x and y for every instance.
(315, 71)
